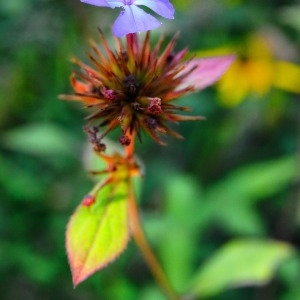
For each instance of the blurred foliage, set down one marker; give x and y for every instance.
(234, 178)
(250, 262)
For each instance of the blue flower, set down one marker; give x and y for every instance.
(132, 18)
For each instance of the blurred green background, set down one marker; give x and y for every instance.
(235, 177)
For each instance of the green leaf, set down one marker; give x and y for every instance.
(180, 232)
(241, 262)
(290, 15)
(41, 139)
(256, 181)
(98, 230)
(239, 192)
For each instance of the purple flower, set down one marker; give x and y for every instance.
(206, 71)
(132, 18)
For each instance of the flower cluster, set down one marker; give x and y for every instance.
(134, 86)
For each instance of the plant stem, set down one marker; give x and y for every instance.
(129, 150)
(141, 241)
(132, 42)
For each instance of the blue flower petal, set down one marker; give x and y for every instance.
(133, 19)
(162, 7)
(116, 3)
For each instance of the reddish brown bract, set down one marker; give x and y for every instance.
(133, 87)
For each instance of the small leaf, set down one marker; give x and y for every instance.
(252, 184)
(41, 139)
(290, 15)
(98, 230)
(240, 263)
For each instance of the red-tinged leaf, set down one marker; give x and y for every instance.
(98, 230)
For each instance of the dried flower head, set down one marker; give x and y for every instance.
(134, 86)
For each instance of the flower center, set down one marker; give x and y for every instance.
(131, 87)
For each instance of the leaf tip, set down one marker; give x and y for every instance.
(77, 278)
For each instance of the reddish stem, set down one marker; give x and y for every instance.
(129, 150)
(132, 41)
(139, 237)
(141, 241)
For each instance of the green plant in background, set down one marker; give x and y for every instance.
(223, 197)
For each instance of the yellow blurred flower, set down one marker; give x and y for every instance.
(256, 72)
